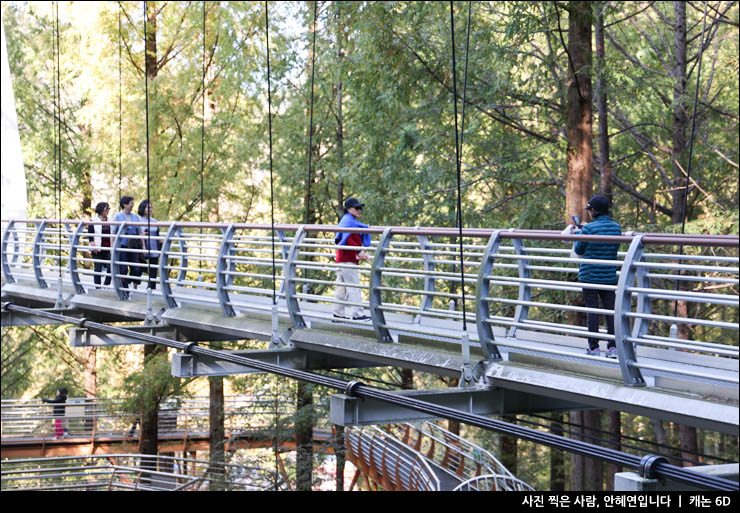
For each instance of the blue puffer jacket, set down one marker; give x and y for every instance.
(592, 273)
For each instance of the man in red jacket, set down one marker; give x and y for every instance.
(348, 260)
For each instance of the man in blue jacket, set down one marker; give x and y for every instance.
(601, 224)
(349, 273)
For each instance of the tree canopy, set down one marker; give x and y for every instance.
(383, 125)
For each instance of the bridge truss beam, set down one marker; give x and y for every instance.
(352, 411)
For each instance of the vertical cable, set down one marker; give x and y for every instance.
(59, 138)
(310, 129)
(465, 88)
(691, 148)
(54, 115)
(269, 124)
(146, 103)
(272, 226)
(202, 139)
(203, 116)
(457, 163)
(120, 106)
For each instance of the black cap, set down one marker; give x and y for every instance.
(352, 203)
(598, 203)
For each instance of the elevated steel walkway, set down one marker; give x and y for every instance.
(214, 281)
(94, 426)
(421, 456)
(133, 472)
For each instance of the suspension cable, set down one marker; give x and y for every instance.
(458, 149)
(272, 238)
(146, 103)
(661, 469)
(54, 118)
(269, 130)
(310, 125)
(691, 148)
(202, 139)
(203, 116)
(58, 194)
(120, 105)
(622, 436)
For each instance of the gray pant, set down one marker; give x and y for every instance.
(350, 276)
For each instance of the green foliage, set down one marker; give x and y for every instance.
(146, 388)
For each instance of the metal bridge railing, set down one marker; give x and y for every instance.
(492, 483)
(184, 417)
(133, 472)
(457, 456)
(675, 292)
(387, 461)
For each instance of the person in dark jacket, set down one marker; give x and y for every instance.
(602, 224)
(59, 410)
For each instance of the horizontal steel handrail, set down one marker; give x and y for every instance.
(404, 258)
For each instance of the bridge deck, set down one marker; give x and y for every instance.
(534, 362)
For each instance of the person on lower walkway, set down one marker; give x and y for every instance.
(348, 275)
(597, 209)
(58, 412)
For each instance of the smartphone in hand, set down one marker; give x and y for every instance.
(576, 221)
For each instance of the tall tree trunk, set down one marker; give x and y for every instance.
(605, 165)
(614, 436)
(557, 459)
(149, 439)
(576, 421)
(579, 182)
(680, 118)
(340, 457)
(509, 447)
(304, 436)
(217, 456)
(593, 469)
(453, 426)
(91, 383)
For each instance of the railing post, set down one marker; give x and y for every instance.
(37, 255)
(626, 350)
(222, 265)
(482, 309)
(73, 272)
(644, 305)
(376, 279)
(4, 257)
(289, 275)
(283, 253)
(525, 292)
(429, 281)
(115, 257)
(163, 262)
